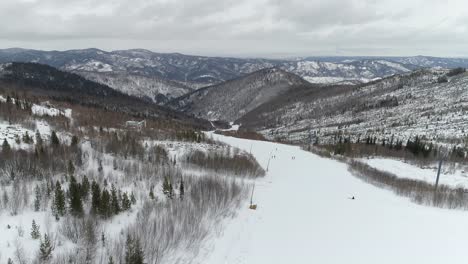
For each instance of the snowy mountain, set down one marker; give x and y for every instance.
(197, 71)
(232, 99)
(154, 89)
(44, 79)
(334, 72)
(418, 103)
(433, 62)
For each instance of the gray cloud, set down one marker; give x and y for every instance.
(240, 27)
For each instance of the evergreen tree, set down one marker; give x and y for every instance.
(128, 249)
(71, 168)
(133, 251)
(45, 249)
(49, 188)
(38, 138)
(126, 204)
(399, 145)
(84, 188)
(105, 207)
(132, 198)
(10, 261)
(26, 138)
(35, 233)
(74, 192)
(96, 198)
(74, 141)
(37, 198)
(138, 256)
(6, 147)
(59, 200)
(111, 261)
(5, 199)
(18, 103)
(54, 140)
(115, 204)
(167, 187)
(171, 190)
(181, 189)
(151, 192)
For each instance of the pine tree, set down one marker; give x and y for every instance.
(59, 200)
(10, 261)
(45, 249)
(35, 233)
(96, 198)
(151, 192)
(138, 256)
(74, 141)
(38, 138)
(115, 204)
(111, 261)
(71, 168)
(5, 199)
(181, 189)
(76, 205)
(132, 198)
(37, 198)
(105, 207)
(26, 138)
(5, 147)
(129, 250)
(167, 187)
(50, 187)
(171, 190)
(84, 188)
(133, 251)
(126, 204)
(54, 141)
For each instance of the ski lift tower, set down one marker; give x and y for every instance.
(443, 154)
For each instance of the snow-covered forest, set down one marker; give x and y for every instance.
(77, 190)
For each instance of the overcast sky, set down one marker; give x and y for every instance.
(268, 28)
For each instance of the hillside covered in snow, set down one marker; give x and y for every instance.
(422, 103)
(232, 99)
(85, 181)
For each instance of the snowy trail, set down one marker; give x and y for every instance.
(305, 216)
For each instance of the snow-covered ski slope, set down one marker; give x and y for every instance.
(305, 215)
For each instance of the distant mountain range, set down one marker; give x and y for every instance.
(161, 77)
(370, 97)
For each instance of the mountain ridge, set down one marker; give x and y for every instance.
(230, 100)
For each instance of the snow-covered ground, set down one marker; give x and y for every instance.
(449, 175)
(305, 215)
(15, 131)
(40, 110)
